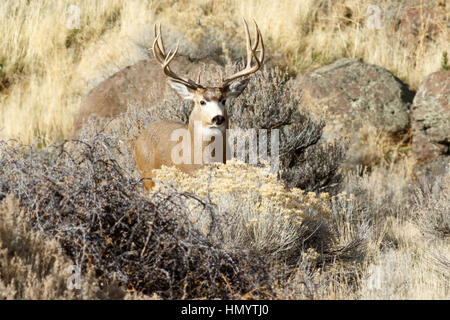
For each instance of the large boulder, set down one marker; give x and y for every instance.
(431, 117)
(359, 93)
(141, 84)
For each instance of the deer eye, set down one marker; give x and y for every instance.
(202, 102)
(223, 101)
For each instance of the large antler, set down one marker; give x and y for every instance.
(251, 53)
(164, 60)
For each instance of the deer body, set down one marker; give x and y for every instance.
(203, 139)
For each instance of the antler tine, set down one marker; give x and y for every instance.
(261, 56)
(158, 49)
(160, 41)
(165, 60)
(251, 53)
(248, 43)
(258, 39)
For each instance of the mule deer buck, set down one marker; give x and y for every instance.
(158, 145)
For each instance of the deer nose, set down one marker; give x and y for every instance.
(218, 120)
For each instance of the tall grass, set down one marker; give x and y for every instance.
(383, 236)
(47, 67)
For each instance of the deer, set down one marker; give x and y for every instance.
(204, 136)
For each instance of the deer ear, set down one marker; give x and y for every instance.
(183, 91)
(235, 88)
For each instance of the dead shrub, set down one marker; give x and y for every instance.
(105, 224)
(251, 209)
(306, 161)
(32, 267)
(431, 204)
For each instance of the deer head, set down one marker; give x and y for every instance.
(209, 102)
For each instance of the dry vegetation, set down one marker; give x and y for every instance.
(336, 223)
(46, 68)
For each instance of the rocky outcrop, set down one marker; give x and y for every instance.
(431, 117)
(141, 84)
(360, 93)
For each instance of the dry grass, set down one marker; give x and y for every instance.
(375, 239)
(48, 68)
(32, 267)
(266, 218)
(80, 196)
(380, 234)
(173, 243)
(408, 251)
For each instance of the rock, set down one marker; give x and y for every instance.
(141, 84)
(411, 28)
(358, 92)
(431, 117)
